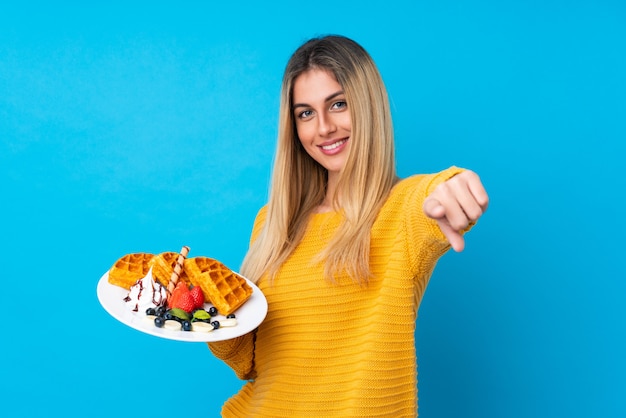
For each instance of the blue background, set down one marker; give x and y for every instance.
(148, 126)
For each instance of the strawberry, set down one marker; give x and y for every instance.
(198, 296)
(180, 288)
(185, 302)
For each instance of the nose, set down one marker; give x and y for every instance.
(326, 124)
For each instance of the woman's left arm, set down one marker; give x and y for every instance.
(456, 204)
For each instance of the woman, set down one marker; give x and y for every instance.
(343, 250)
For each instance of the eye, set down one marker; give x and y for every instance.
(339, 105)
(305, 114)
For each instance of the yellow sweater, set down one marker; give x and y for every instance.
(340, 349)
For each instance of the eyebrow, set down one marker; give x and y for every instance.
(327, 99)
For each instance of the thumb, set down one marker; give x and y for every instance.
(434, 209)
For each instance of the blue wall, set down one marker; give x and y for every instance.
(150, 126)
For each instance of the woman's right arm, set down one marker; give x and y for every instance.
(238, 353)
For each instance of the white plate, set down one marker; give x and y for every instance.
(249, 315)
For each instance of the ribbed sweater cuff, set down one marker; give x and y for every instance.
(237, 353)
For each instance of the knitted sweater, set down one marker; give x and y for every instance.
(339, 349)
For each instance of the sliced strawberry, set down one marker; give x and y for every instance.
(180, 289)
(198, 296)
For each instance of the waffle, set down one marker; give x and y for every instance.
(225, 289)
(163, 267)
(130, 268)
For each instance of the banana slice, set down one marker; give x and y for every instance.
(228, 322)
(172, 325)
(201, 327)
(150, 319)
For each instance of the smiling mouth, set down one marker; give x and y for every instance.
(334, 145)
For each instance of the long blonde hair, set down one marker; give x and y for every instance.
(298, 183)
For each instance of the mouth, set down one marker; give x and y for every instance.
(334, 145)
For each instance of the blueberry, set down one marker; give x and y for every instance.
(151, 311)
(186, 326)
(160, 311)
(168, 315)
(216, 324)
(159, 321)
(212, 311)
(231, 316)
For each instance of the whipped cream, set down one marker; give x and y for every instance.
(146, 293)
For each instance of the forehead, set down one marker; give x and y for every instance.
(315, 85)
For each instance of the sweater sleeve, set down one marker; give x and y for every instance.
(238, 352)
(426, 242)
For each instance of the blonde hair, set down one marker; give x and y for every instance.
(298, 183)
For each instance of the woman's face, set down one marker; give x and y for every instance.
(322, 119)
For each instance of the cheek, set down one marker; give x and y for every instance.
(346, 121)
(304, 133)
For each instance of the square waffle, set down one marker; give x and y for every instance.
(225, 289)
(130, 268)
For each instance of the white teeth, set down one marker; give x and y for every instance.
(335, 145)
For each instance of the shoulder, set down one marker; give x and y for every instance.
(259, 221)
(261, 215)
